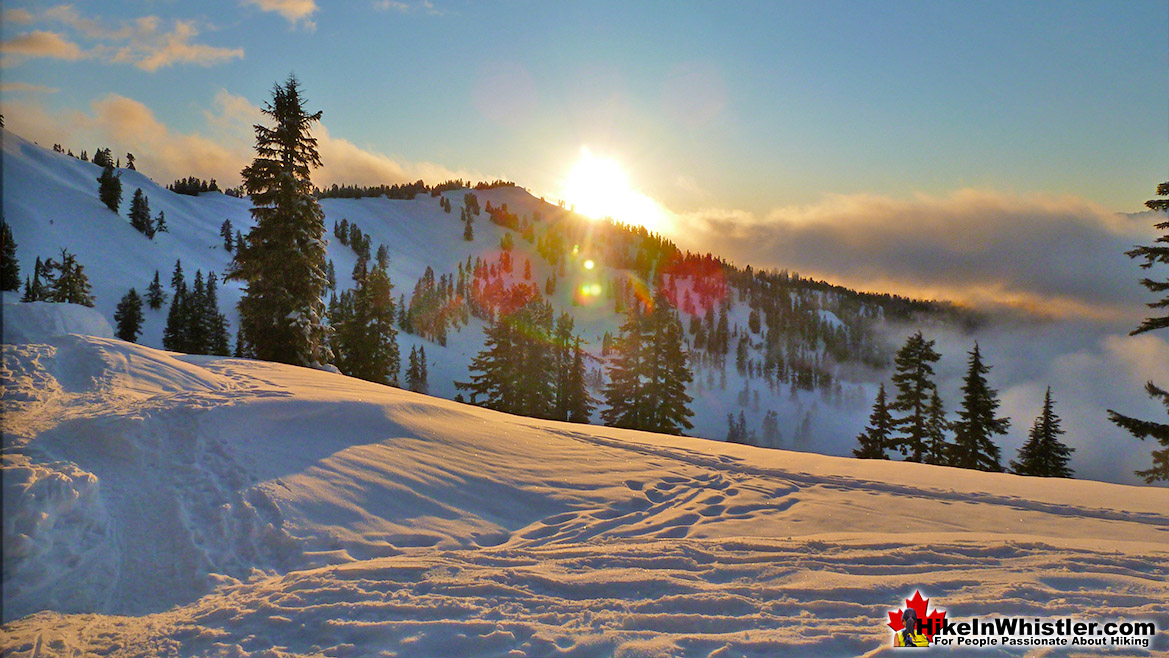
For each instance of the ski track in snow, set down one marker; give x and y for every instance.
(204, 506)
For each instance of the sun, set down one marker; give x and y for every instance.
(598, 187)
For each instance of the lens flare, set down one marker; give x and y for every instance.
(598, 187)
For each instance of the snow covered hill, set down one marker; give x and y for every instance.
(159, 504)
(51, 203)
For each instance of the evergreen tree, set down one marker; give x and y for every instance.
(937, 448)
(331, 275)
(383, 257)
(110, 189)
(218, 339)
(160, 223)
(913, 378)
(878, 435)
(973, 445)
(128, 315)
(416, 374)
(771, 434)
(155, 296)
(1142, 429)
(649, 374)
(130, 162)
(282, 261)
(10, 268)
(580, 402)
(468, 229)
(66, 281)
(103, 158)
(364, 335)
(35, 290)
(514, 371)
(140, 214)
(174, 335)
(1044, 454)
(226, 234)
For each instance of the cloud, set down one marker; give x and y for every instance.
(425, 7)
(1059, 255)
(294, 11)
(144, 42)
(18, 16)
(17, 87)
(149, 49)
(39, 43)
(165, 154)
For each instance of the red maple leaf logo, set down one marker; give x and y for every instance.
(930, 622)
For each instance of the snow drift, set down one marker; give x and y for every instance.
(164, 504)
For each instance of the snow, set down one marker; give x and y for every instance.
(171, 505)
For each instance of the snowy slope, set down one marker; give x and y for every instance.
(172, 505)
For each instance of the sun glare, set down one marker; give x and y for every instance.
(598, 187)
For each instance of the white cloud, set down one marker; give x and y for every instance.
(25, 87)
(18, 16)
(144, 42)
(1059, 255)
(39, 43)
(294, 11)
(425, 7)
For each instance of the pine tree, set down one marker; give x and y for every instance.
(878, 434)
(514, 371)
(130, 161)
(913, 378)
(103, 158)
(282, 261)
(772, 438)
(35, 291)
(1043, 454)
(66, 281)
(174, 335)
(110, 188)
(365, 338)
(225, 233)
(649, 374)
(1143, 429)
(128, 315)
(140, 217)
(973, 445)
(937, 448)
(10, 268)
(218, 339)
(468, 230)
(580, 402)
(416, 374)
(155, 296)
(160, 223)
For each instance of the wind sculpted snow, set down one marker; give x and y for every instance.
(158, 504)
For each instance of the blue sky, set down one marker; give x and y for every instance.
(747, 115)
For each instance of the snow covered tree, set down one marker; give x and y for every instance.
(914, 380)
(1142, 429)
(871, 443)
(226, 234)
(66, 281)
(155, 296)
(110, 188)
(140, 217)
(282, 261)
(973, 445)
(10, 268)
(1044, 454)
(128, 315)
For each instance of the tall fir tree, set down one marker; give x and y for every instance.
(109, 189)
(140, 217)
(974, 445)
(365, 339)
(1043, 454)
(35, 291)
(218, 338)
(128, 315)
(155, 296)
(282, 261)
(936, 445)
(514, 371)
(160, 223)
(174, 335)
(10, 268)
(226, 234)
(649, 373)
(878, 435)
(1157, 253)
(913, 377)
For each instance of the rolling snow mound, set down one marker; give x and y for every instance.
(169, 505)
